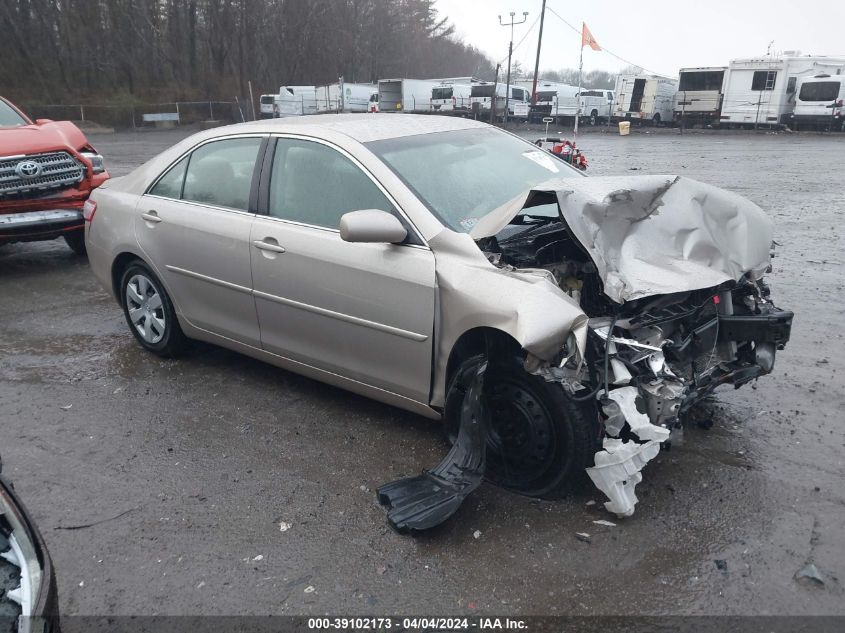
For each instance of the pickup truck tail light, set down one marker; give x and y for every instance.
(88, 210)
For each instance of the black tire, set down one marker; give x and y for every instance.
(76, 241)
(655, 120)
(165, 340)
(594, 117)
(540, 440)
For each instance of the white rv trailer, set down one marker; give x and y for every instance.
(265, 106)
(819, 102)
(405, 95)
(451, 97)
(647, 98)
(296, 101)
(699, 96)
(761, 91)
(344, 97)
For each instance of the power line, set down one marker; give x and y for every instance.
(609, 52)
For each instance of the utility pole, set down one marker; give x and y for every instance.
(510, 54)
(537, 63)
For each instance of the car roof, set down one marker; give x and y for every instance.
(364, 127)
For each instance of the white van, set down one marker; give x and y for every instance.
(265, 106)
(451, 98)
(819, 103)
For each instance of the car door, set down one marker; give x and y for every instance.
(364, 311)
(194, 226)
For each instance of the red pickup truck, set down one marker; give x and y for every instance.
(47, 171)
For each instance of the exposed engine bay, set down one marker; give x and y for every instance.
(647, 360)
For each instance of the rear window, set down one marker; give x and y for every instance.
(441, 93)
(702, 80)
(9, 117)
(482, 91)
(820, 91)
(764, 80)
(265, 99)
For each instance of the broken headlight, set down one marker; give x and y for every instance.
(98, 165)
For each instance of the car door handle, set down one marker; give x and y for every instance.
(268, 246)
(151, 216)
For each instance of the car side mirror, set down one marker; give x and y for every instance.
(371, 225)
(43, 121)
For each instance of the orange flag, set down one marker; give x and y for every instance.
(587, 38)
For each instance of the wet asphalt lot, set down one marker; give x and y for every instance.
(215, 484)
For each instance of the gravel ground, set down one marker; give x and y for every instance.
(220, 485)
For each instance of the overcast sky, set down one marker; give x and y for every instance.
(662, 37)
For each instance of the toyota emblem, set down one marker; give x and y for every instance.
(28, 169)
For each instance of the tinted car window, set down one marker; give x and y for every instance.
(170, 185)
(819, 91)
(220, 173)
(315, 184)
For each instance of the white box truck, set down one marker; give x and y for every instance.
(344, 97)
(699, 96)
(819, 102)
(405, 95)
(296, 101)
(644, 98)
(761, 91)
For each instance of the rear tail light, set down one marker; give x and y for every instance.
(839, 103)
(88, 210)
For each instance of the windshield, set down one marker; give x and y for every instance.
(441, 93)
(463, 175)
(9, 117)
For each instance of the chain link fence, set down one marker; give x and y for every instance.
(146, 114)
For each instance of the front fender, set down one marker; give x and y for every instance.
(527, 305)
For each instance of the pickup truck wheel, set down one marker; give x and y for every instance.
(149, 312)
(76, 241)
(540, 441)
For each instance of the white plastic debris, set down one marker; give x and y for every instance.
(617, 472)
(476, 534)
(284, 527)
(621, 375)
(626, 398)
(259, 557)
(605, 523)
(309, 589)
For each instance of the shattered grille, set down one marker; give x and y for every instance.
(58, 170)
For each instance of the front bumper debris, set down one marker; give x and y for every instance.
(617, 472)
(420, 503)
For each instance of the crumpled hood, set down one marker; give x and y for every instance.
(33, 139)
(653, 235)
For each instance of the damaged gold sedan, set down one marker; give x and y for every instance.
(561, 326)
